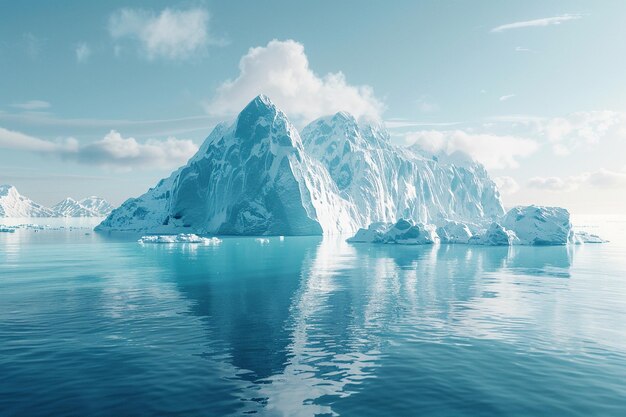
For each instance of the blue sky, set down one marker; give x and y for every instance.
(107, 97)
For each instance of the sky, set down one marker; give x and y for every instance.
(106, 98)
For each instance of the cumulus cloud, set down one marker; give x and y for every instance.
(112, 151)
(507, 185)
(546, 21)
(568, 133)
(83, 52)
(32, 105)
(281, 71)
(602, 178)
(493, 151)
(116, 151)
(170, 34)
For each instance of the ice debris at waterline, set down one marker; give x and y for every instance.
(260, 177)
(530, 225)
(180, 238)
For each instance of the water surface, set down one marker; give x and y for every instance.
(97, 326)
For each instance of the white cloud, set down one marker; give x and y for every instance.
(83, 52)
(522, 49)
(113, 151)
(171, 34)
(281, 71)
(493, 151)
(546, 21)
(506, 185)
(507, 97)
(32, 105)
(10, 139)
(116, 151)
(602, 178)
(570, 132)
(554, 183)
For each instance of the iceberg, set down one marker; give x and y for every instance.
(387, 182)
(523, 225)
(454, 232)
(259, 177)
(403, 232)
(580, 237)
(495, 235)
(13, 204)
(180, 238)
(538, 225)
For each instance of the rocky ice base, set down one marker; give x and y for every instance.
(530, 225)
(180, 238)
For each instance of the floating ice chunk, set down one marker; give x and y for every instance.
(495, 235)
(180, 238)
(454, 232)
(373, 234)
(406, 233)
(7, 229)
(537, 225)
(262, 240)
(403, 232)
(281, 238)
(581, 237)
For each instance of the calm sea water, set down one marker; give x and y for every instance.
(98, 326)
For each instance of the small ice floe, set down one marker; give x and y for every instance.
(580, 237)
(281, 238)
(4, 229)
(262, 240)
(180, 238)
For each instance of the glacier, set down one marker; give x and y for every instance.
(259, 176)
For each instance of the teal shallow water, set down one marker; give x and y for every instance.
(95, 326)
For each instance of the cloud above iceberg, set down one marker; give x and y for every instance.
(493, 151)
(507, 185)
(112, 151)
(602, 178)
(546, 21)
(170, 34)
(281, 71)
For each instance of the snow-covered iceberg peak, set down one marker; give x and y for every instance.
(13, 204)
(386, 182)
(258, 177)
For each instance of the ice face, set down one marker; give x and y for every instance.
(258, 177)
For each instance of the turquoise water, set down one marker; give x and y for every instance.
(99, 326)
